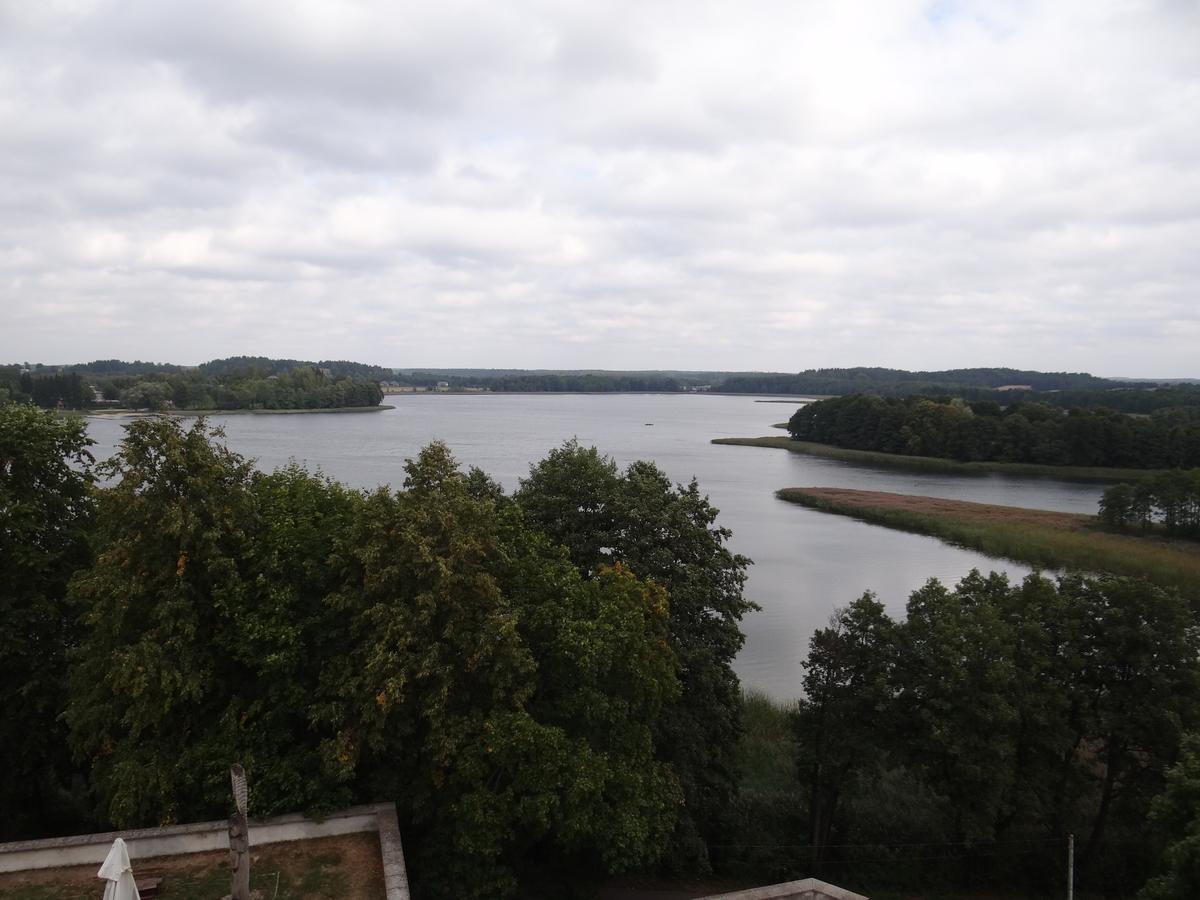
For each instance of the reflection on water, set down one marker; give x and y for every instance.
(806, 563)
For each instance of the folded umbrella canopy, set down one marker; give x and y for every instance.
(119, 874)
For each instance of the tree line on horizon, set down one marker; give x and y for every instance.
(215, 388)
(984, 431)
(1067, 389)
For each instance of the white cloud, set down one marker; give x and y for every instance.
(768, 185)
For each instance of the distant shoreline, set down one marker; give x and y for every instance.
(936, 464)
(193, 413)
(758, 398)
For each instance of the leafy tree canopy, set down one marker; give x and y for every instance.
(425, 645)
(668, 534)
(46, 508)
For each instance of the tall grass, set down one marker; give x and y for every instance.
(934, 464)
(767, 750)
(1042, 546)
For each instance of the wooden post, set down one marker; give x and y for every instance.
(1070, 867)
(239, 838)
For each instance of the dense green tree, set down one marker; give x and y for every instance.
(151, 395)
(1176, 813)
(152, 681)
(1022, 432)
(423, 645)
(1141, 678)
(506, 701)
(1169, 498)
(956, 695)
(667, 534)
(47, 389)
(843, 719)
(1010, 716)
(45, 511)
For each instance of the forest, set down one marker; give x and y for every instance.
(551, 382)
(236, 383)
(509, 669)
(958, 747)
(1022, 432)
(899, 382)
(1168, 501)
(542, 681)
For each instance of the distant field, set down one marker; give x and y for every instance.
(934, 464)
(1040, 538)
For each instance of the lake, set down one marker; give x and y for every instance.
(807, 563)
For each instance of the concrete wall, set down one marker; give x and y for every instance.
(805, 889)
(200, 837)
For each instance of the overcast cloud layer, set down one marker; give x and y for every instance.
(749, 185)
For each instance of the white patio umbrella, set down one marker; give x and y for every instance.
(119, 874)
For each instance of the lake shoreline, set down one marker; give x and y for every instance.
(1036, 537)
(195, 413)
(935, 464)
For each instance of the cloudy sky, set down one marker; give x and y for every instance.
(750, 185)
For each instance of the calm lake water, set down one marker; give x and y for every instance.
(806, 563)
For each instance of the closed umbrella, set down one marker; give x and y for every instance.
(119, 874)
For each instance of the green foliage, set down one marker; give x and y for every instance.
(424, 645)
(301, 388)
(1025, 432)
(45, 510)
(1169, 498)
(667, 534)
(251, 366)
(236, 383)
(511, 699)
(769, 803)
(898, 382)
(1176, 813)
(848, 686)
(549, 382)
(153, 680)
(1008, 716)
(47, 389)
(1035, 537)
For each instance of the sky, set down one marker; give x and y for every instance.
(644, 185)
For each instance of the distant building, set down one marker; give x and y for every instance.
(1014, 387)
(443, 386)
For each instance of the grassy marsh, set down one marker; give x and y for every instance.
(1037, 537)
